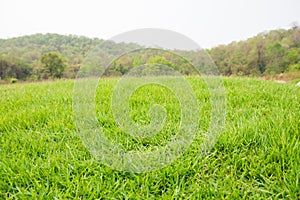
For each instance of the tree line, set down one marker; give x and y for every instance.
(268, 53)
(44, 56)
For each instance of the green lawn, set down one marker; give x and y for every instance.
(257, 154)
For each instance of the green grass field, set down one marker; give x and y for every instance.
(257, 155)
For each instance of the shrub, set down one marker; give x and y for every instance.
(294, 67)
(13, 80)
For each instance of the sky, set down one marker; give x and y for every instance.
(207, 22)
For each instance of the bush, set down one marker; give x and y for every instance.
(294, 67)
(13, 80)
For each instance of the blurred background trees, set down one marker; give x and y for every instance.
(54, 64)
(43, 56)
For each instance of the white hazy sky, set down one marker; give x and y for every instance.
(208, 22)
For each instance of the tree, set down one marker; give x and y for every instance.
(293, 56)
(275, 55)
(54, 64)
(14, 68)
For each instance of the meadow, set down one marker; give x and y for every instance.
(257, 155)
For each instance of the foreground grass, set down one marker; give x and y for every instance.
(257, 155)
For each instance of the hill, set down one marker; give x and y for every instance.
(268, 53)
(20, 57)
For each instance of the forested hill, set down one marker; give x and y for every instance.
(267, 53)
(20, 57)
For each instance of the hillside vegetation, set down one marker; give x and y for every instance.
(21, 57)
(268, 53)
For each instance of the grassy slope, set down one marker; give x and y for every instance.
(257, 154)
